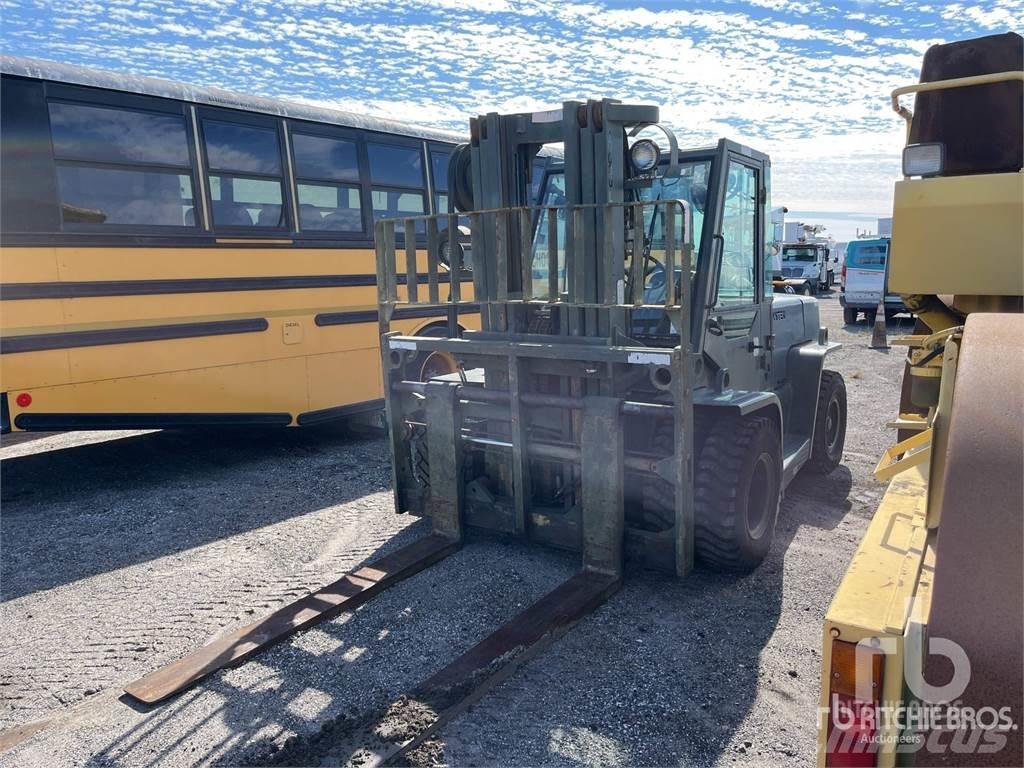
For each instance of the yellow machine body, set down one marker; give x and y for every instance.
(958, 234)
(945, 539)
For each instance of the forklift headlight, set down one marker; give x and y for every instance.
(645, 155)
(923, 159)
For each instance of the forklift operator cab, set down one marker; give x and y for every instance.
(738, 306)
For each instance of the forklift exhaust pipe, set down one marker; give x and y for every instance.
(878, 337)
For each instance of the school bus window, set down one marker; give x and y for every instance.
(326, 206)
(115, 196)
(319, 157)
(329, 207)
(121, 167)
(245, 175)
(105, 134)
(395, 166)
(439, 167)
(389, 204)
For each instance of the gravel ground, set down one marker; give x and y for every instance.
(124, 551)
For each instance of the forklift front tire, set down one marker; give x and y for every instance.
(738, 491)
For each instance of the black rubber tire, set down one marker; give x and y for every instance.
(414, 370)
(870, 315)
(738, 490)
(829, 424)
(460, 180)
(420, 458)
(806, 290)
(849, 315)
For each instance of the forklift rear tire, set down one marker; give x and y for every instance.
(829, 424)
(849, 316)
(738, 492)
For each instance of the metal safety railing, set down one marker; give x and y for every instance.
(943, 85)
(597, 258)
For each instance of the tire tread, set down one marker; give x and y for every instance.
(819, 463)
(715, 490)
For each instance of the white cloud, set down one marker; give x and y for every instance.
(803, 80)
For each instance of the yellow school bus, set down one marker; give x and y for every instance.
(174, 256)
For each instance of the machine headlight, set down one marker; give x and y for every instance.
(923, 159)
(645, 155)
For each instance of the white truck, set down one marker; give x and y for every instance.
(806, 267)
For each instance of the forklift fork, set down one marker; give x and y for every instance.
(496, 657)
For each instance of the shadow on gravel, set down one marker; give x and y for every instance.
(897, 325)
(342, 669)
(665, 673)
(668, 671)
(72, 513)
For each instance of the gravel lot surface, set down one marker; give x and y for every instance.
(124, 551)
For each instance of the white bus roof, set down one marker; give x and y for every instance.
(40, 69)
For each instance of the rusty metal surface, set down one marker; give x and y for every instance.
(347, 593)
(979, 575)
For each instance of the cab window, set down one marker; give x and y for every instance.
(737, 283)
(553, 195)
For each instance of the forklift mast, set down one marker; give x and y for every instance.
(593, 137)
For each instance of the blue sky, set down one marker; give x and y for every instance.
(805, 80)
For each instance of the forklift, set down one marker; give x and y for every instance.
(635, 386)
(635, 390)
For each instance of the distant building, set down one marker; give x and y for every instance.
(884, 227)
